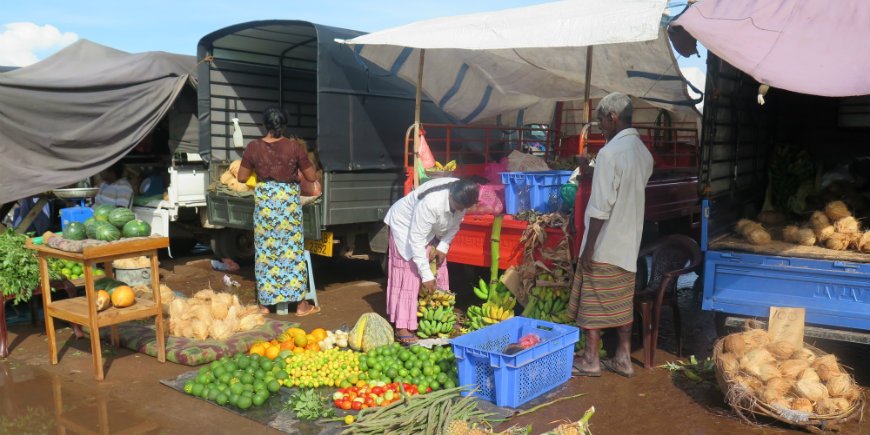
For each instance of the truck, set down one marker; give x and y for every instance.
(740, 141)
(351, 114)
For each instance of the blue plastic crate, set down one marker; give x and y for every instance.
(74, 214)
(511, 380)
(532, 190)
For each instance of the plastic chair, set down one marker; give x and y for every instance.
(312, 289)
(672, 256)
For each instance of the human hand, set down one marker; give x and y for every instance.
(440, 257)
(429, 286)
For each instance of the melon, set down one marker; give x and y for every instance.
(123, 296)
(74, 231)
(106, 232)
(370, 331)
(136, 228)
(101, 212)
(90, 226)
(120, 216)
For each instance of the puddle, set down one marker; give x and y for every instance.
(33, 401)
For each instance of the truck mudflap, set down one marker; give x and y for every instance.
(834, 293)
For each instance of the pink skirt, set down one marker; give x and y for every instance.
(403, 287)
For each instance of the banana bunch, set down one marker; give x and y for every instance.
(450, 166)
(435, 299)
(435, 322)
(548, 304)
(499, 305)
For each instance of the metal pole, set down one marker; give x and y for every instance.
(417, 104)
(586, 106)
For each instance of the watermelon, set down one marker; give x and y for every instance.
(136, 228)
(74, 231)
(120, 216)
(101, 212)
(90, 226)
(106, 232)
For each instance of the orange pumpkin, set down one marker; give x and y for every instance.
(123, 296)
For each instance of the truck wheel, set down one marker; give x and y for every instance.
(234, 243)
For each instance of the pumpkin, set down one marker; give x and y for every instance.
(123, 296)
(103, 300)
(120, 216)
(136, 228)
(370, 331)
(101, 212)
(74, 231)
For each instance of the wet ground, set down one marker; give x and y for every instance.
(36, 397)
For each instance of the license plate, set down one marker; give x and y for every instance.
(321, 247)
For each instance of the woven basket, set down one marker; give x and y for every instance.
(745, 404)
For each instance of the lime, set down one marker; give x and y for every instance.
(234, 399)
(448, 384)
(259, 399)
(428, 371)
(225, 378)
(244, 363)
(273, 386)
(259, 374)
(441, 377)
(247, 378)
(212, 394)
(266, 365)
(215, 365)
(221, 399)
(237, 389)
(99, 272)
(282, 375)
(188, 387)
(196, 390)
(435, 385)
(231, 367)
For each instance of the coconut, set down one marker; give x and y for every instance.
(220, 330)
(863, 244)
(729, 362)
(781, 350)
(847, 225)
(226, 177)
(251, 321)
(840, 385)
(806, 237)
(771, 395)
(789, 233)
(838, 241)
(827, 367)
(777, 387)
(205, 295)
(804, 354)
(749, 383)
(177, 308)
(734, 344)
(199, 312)
(792, 368)
(824, 233)
(220, 305)
(803, 405)
(754, 338)
(758, 236)
(819, 220)
(831, 405)
(812, 390)
(743, 225)
(836, 210)
(766, 372)
(809, 375)
(754, 358)
(200, 329)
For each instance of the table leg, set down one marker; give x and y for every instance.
(110, 272)
(93, 320)
(155, 291)
(4, 351)
(116, 340)
(46, 304)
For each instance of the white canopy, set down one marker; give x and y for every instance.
(517, 63)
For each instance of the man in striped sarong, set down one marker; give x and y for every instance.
(602, 294)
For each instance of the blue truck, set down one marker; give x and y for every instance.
(743, 280)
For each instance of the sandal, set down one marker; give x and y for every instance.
(314, 310)
(611, 366)
(576, 371)
(406, 339)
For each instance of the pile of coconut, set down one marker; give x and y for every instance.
(230, 178)
(783, 376)
(833, 228)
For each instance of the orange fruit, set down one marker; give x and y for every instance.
(299, 350)
(295, 331)
(300, 340)
(258, 348)
(272, 352)
(123, 296)
(288, 345)
(319, 334)
(312, 346)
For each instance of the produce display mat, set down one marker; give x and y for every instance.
(141, 337)
(272, 412)
(732, 242)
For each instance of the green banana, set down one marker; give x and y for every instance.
(480, 293)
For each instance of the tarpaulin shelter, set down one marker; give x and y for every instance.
(79, 111)
(813, 47)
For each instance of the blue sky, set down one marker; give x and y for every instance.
(32, 30)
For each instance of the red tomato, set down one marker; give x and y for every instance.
(370, 401)
(354, 390)
(377, 390)
(356, 406)
(345, 404)
(352, 395)
(428, 389)
(337, 403)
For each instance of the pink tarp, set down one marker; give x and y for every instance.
(814, 47)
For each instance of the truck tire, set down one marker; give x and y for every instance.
(234, 243)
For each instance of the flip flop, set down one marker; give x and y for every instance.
(611, 366)
(314, 310)
(577, 372)
(406, 340)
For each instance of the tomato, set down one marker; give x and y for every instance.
(345, 405)
(337, 403)
(370, 401)
(377, 390)
(352, 395)
(428, 390)
(356, 406)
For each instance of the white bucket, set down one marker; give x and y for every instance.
(134, 277)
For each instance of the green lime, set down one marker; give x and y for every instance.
(215, 365)
(237, 388)
(212, 394)
(448, 384)
(244, 363)
(259, 374)
(221, 399)
(435, 385)
(282, 375)
(196, 390)
(273, 386)
(188, 387)
(441, 377)
(266, 365)
(428, 371)
(259, 399)
(234, 399)
(225, 378)
(247, 378)
(231, 367)
(259, 385)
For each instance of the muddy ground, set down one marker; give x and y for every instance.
(37, 397)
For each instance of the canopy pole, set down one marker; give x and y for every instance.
(586, 103)
(417, 104)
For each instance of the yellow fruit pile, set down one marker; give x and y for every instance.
(450, 166)
(329, 368)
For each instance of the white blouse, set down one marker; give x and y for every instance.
(414, 223)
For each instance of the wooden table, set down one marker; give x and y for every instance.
(83, 310)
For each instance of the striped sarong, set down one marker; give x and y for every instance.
(603, 297)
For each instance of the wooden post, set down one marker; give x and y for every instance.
(417, 105)
(588, 86)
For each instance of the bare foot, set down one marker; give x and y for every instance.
(621, 365)
(77, 330)
(587, 367)
(232, 266)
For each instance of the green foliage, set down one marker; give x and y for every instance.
(308, 404)
(19, 268)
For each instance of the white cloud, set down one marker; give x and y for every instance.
(20, 42)
(698, 78)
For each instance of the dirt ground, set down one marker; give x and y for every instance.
(37, 397)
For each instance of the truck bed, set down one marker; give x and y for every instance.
(733, 242)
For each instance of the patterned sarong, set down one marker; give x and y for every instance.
(281, 269)
(603, 297)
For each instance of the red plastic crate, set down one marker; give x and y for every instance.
(472, 243)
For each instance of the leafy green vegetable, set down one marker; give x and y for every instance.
(19, 268)
(309, 405)
(694, 370)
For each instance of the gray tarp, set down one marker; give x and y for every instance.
(76, 113)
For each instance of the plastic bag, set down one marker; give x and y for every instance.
(490, 200)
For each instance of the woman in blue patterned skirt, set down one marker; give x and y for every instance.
(279, 162)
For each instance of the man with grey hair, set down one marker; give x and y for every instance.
(602, 294)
